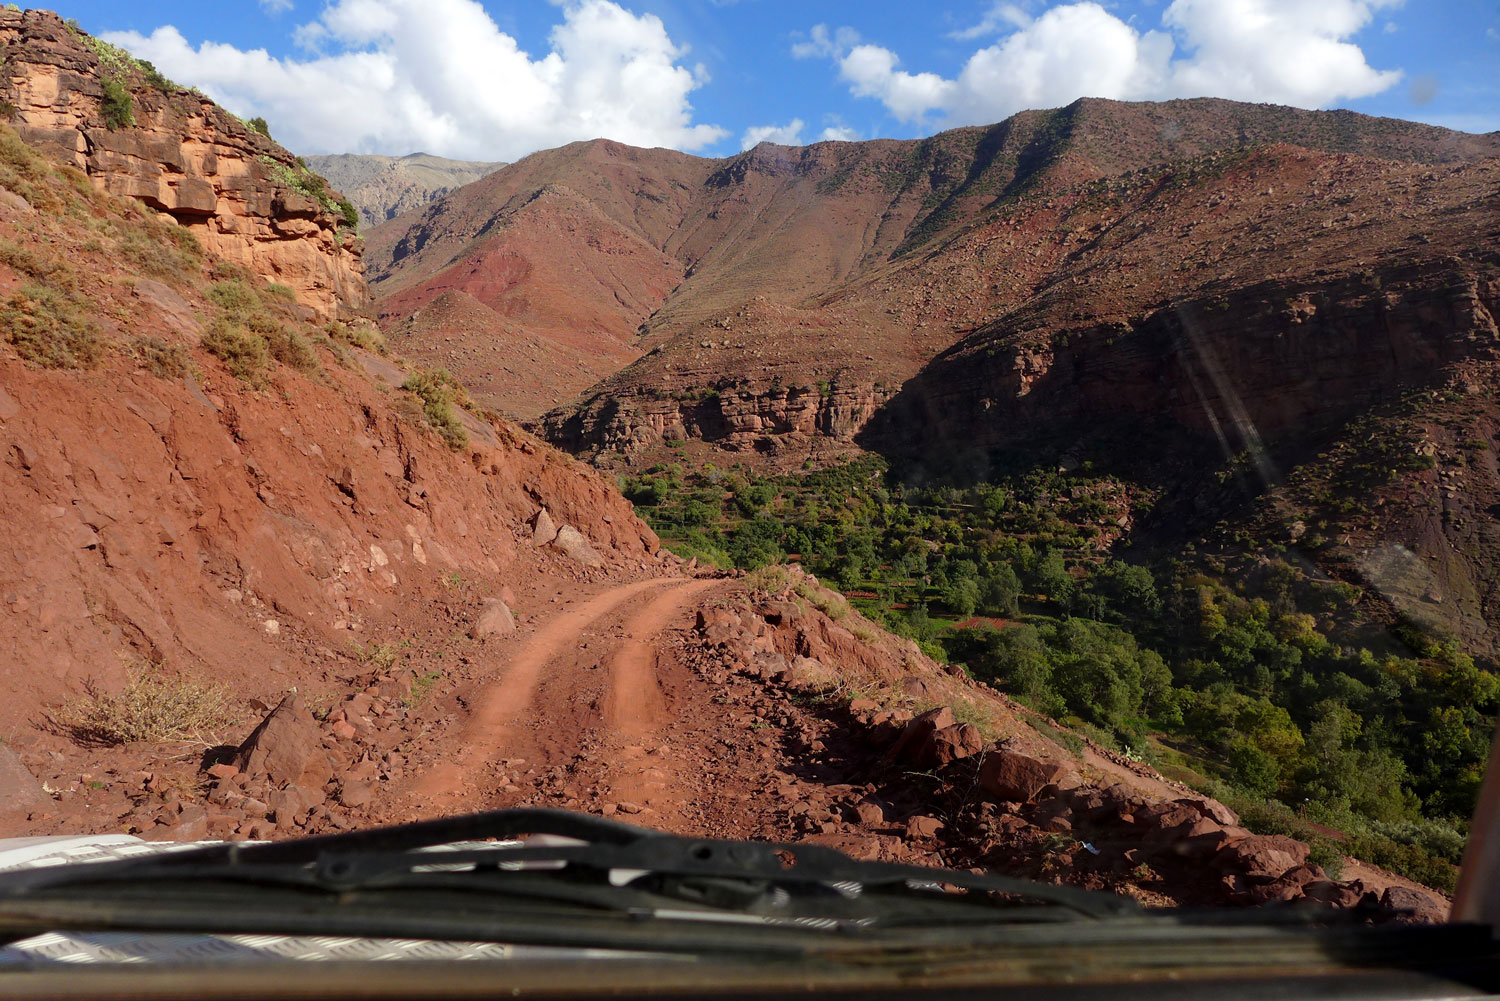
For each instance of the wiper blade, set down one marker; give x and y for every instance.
(702, 873)
(609, 886)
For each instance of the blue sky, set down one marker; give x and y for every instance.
(494, 80)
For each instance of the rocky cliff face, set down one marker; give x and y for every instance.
(759, 416)
(246, 198)
(1267, 361)
(384, 187)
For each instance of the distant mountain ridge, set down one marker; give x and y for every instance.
(693, 271)
(384, 187)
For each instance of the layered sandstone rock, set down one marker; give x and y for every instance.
(762, 415)
(233, 187)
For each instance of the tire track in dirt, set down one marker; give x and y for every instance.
(502, 702)
(635, 703)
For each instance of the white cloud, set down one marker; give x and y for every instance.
(274, 7)
(1000, 17)
(823, 43)
(1278, 51)
(789, 134)
(838, 133)
(871, 72)
(440, 76)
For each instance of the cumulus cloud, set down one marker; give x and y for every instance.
(1000, 17)
(838, 133)
(1278, 51)
(789, 134)
(394, 76)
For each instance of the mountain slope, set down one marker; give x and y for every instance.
(261, 580)
(384, 187)
(834, 240)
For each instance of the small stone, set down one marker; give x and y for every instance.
(495, 620)
(354, 794)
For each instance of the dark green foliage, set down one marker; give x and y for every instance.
(117, 106)
(155, 79)
(350, 214)
(1283, 692)
(259, 125)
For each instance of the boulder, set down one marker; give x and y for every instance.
(1011, 776)
(571, 542)
(1414, 906)
(494, 620)
(286, 748)
(1166, 816)
(1213, 810)
(915, 745)
(1286, 887)
(869, 813)
(19, 789)
(954, 742)
(1262, 857)
(543, 531)
(355, 794)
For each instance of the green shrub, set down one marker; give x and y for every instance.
(364, 335)
(52, 270)
(155, 79)
(438, 391)
(49, 328)
(350, 214)
(163, 360)
(259, 125)
(24, 171)
(234, 297)
(117, 106)
(155, 250)
(245, 355)
(285, 344)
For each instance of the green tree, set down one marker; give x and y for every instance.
(1001, 591)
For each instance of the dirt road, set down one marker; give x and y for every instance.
(550, 687)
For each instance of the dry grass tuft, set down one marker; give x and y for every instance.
(154, 707)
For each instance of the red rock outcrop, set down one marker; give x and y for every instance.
(234, 188)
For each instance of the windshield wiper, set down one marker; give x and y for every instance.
(591, 882)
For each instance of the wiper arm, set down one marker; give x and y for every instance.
(617, 870)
